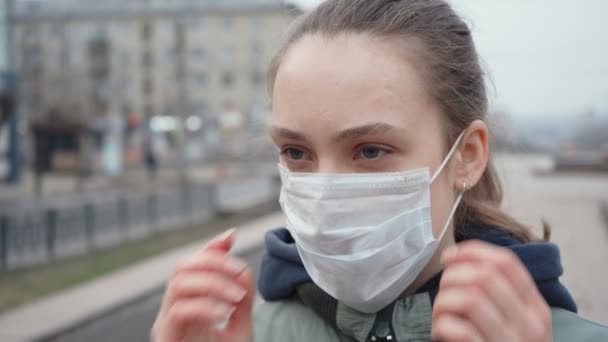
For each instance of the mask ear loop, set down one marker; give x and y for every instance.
(452, 212)
(461, 193)
(448, 157)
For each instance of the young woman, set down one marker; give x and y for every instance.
(394, 227)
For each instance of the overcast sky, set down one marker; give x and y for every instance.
(545, 57)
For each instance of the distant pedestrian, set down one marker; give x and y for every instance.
(149, 152)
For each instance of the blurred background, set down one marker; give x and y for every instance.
(132, 130)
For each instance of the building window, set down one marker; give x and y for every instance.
(146, 31)
(123, 58)
(227, 24)
(148, 86)
(170, 55)
(124, 26)
(199, 54)
(57, 30)
(34, 99)
(32, 60)
(195, 23)
(169, 28)
(31, 34)
(257, 78)
(147, 59)
(228, 55)
(255, 24)
(148, 110)
(125, 85)
(256, 53)
(201, 79)
(126, 108)
(76, 55)
(199, 108)
(227, 79)
(101, 31)
(54, 55)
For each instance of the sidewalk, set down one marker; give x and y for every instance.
(80, 304)
(571, 204)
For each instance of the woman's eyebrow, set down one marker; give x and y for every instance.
(286, 133)
(364, 130)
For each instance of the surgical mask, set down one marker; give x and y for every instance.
(363, 237)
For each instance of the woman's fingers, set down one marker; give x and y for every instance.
(208, 272)
(509, 288)
(207, 289)
(203, 311)
(221, 242)
(213, 261)
(502, 259)
(241, 319)
(490, 281)
(472, 304)
(452, 328)
(211, 273)
(203, 285)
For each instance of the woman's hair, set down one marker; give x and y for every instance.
(451, 68)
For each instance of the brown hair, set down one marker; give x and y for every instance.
(452, 70)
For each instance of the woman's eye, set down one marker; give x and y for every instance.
(295, 154)
(371, 152)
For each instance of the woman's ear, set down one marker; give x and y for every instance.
(473, 156)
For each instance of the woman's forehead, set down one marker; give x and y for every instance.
(348, 80)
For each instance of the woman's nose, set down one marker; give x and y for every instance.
(331, 165)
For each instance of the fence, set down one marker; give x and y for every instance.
(43, 233)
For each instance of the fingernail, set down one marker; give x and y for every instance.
(448, 253)
(222, 310)
(236, 294)
(228, 233)
(235, 266)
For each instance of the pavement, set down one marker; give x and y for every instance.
(571, 203)
(61, 313)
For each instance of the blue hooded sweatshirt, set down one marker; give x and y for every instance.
(282, 270)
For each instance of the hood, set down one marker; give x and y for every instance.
(282, 270)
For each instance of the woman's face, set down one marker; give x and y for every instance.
(357, 103)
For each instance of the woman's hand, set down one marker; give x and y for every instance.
(486, 294)
(204, 291)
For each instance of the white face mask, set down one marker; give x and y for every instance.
(363, 237)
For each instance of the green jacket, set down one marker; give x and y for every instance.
(291, 320)
(298, 310)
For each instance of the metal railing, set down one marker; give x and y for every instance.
(44, 233)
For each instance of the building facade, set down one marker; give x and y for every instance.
(88, 59)
(122, 71)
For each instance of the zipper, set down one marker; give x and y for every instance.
(382, 330)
